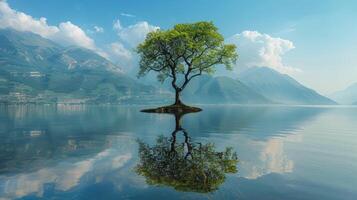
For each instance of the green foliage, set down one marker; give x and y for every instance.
(168, 164)
(187, 50)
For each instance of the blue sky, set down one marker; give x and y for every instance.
(315, 41)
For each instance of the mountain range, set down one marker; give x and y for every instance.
(221, 90)
(34, 69)
(346, 96)
(280, 88)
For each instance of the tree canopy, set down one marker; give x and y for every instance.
(184, 52)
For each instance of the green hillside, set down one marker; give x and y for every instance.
(34, 69)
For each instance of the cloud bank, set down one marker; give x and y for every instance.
(65, 33)
(134, 34)
(258, 49)
(122, 51)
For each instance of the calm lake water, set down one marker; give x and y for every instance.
(115, 152)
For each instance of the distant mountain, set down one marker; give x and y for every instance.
(37, 53)
(219, 90)
(346, 96)
(280, 88)
(35, 69)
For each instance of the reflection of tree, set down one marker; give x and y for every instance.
(185, 166)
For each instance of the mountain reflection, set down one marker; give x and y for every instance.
(185, 166)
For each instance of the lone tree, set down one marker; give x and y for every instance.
(182, 53)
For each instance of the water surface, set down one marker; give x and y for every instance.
(93, 152)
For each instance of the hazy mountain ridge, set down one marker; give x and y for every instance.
(280, 88)
(346, 96)
(220, 90)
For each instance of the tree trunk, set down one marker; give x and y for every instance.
(177, 97)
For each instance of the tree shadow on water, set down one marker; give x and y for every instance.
(185, 166)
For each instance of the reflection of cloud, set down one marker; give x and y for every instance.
(64, 176)
(273, 158)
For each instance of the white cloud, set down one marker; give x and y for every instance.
(66, 33)
(10, 18)
(257, 49)
(117, 25)
(127, 15)
(134, 34)
(70, 34)
(98, 29)
(121, 51)
(117, 53)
